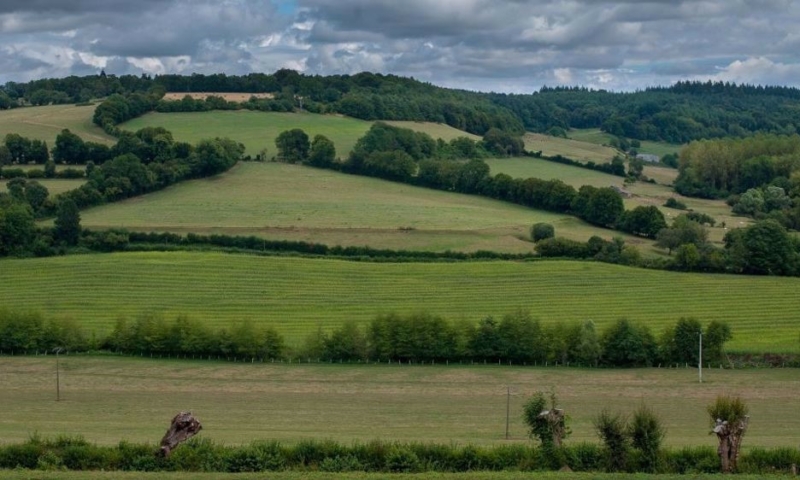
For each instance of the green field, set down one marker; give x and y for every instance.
(45, 123)
(643, 193)
(598, 137)
(301, 203)
(110, 399)
(258, 130)
(576, 150)
(53, 185)
(296, 295)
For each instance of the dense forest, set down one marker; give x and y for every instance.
(679, 113)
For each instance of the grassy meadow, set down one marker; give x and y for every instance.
(110, 399)
(574, 149)
(298, 295)
(643, 193)
(598, 137)
(45, 123)
(258, 130)
(294, 202)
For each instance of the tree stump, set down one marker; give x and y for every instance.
(555, 419)
(730, 441)
(184, 426)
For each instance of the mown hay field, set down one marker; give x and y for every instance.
(108, 399)
(574, 149)
(643, 193)
(258, 130)
(598, 137)
(298, 295)
(229, 96)
(45, 123)
(294, 202)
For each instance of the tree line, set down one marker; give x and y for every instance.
(140, 162)
(403, 155)
(515, 338)
(678, 114)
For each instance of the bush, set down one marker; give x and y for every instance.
(542, 231)
(612, 430)
(402, 460)
(646, 433)
(674, 203)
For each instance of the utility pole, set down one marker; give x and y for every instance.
(58, 379)
(700, 359)
(508, 408)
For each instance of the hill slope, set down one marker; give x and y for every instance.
(296, 295)
(294, 202)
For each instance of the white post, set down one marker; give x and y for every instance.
(700, 359)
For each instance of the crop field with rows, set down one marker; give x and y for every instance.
(297, 295)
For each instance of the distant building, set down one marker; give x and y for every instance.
(648, 157)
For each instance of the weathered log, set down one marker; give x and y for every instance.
(184, 426)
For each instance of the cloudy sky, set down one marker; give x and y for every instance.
(497, 45)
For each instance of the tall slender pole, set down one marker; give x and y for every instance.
(508, 408)
(700, 359)
(58, 379)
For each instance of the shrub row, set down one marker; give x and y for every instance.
(203, 455)
(35, 173)
(516, 338)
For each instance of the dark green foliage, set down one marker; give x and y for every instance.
(17, 227)
(68, 222)
(612, 430)
(646, 432)
(293, 146)
(626, 344)
(550, 430)
(542, 231)
(503, 143)
(683, 231)
(644, 221)
(728, 409)
(764, 248)
(562, 247)
(70, 149)
(674, 203)
(323, 152)
(681, 344)
(746, 165)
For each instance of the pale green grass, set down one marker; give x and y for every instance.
(574, 149)
(54, 186)
(109, 399)
(435, 130)
(596, 136)
(296, 295)
(301, 203)
(45, 123)
(258, 130)
(525, 167)
(644, 194)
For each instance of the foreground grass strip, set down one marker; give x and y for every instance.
(297, 295)
(108, 399)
